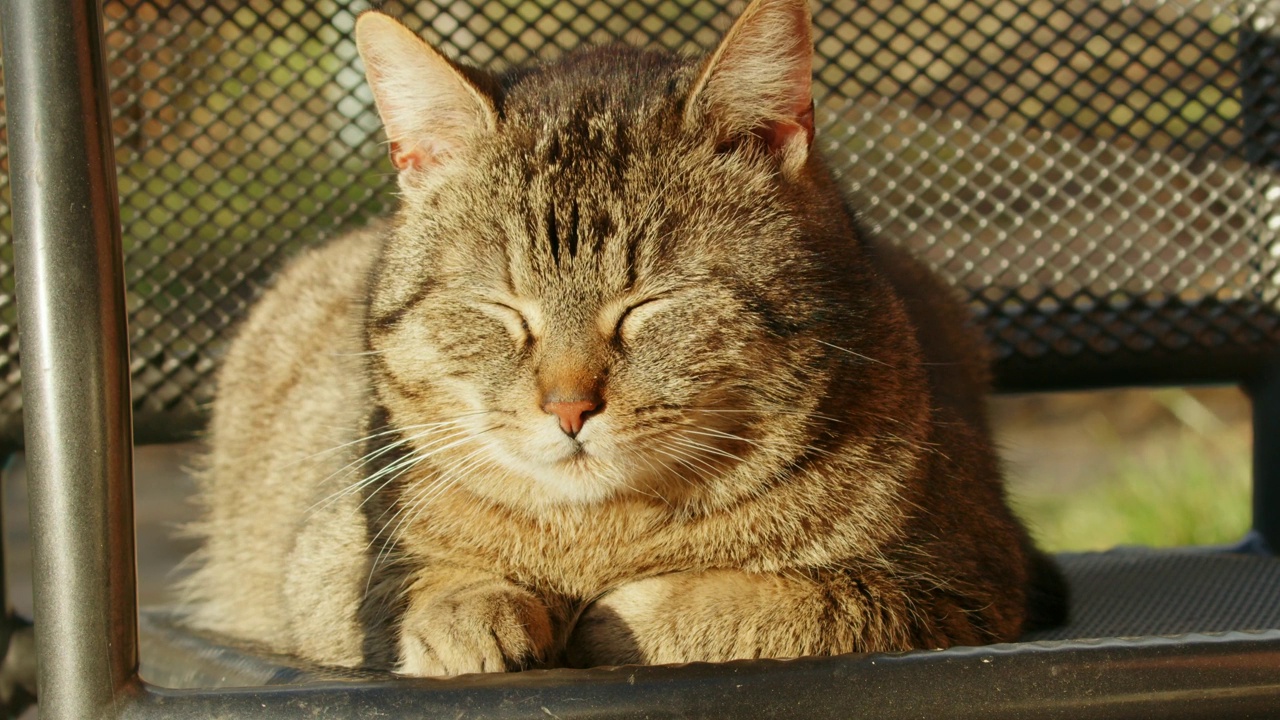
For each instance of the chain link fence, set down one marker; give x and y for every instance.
(1096, 175)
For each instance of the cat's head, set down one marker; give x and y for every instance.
(603, 278)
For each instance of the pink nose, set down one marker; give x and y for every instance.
(572, 414)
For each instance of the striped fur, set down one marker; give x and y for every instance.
(787, 454)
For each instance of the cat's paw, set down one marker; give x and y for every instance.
(714, 616)
(489, 627)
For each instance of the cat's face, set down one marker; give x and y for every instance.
(594, 297)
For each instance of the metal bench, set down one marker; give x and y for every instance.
(1102, 177)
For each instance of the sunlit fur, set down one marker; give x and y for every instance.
(791, 456)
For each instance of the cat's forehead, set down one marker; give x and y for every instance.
(583, 238)
(578, 167)
(595, 85)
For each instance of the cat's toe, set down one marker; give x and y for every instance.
(481, 631)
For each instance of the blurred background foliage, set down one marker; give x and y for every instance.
(1164, 468)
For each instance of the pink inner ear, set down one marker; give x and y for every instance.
(413, 159)
(777, 135)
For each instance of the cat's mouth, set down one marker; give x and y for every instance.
(577, 455)
(561, 454)
(574, 451)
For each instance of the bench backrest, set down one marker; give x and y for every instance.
(1099, 177)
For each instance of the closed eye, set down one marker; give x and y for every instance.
(515, 321)
(635, 314)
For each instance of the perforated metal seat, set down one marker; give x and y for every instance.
(1101, 178)
(1131, 593)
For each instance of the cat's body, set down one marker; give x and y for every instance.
(622, 381)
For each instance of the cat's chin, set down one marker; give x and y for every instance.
(570, 487)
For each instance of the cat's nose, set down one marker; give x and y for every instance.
(572, 413)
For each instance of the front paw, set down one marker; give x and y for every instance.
(485, 627)
(714, 616)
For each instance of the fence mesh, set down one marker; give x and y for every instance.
(1096, 175)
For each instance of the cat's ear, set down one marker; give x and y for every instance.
(430, 107)
(759, 81)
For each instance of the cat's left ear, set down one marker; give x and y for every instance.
(759, 81)
(430, 107)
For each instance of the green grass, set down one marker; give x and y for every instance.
(1189, 489)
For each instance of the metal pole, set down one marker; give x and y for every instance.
(1265, 395)
(75, 364)
(1259, 41)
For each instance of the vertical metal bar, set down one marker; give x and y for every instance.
(1259, 58)
(75, 364)
(1265, 395)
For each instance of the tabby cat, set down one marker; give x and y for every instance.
(621, 381)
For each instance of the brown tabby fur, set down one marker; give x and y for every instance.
(787, 452)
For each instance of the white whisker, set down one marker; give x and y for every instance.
(393, 467)
(357, 441)
(686, 460)
(704, 447)
(855, 354)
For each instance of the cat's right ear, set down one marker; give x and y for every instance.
(758, 82)
(430, 108)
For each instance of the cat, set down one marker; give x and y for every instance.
(621, 381)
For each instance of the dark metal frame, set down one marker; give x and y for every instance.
(1259, 43)
(1265, 395)
(79, 455)
(78, 426)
